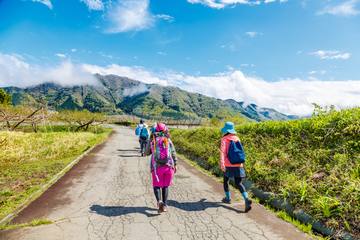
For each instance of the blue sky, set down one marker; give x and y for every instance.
(180, 41)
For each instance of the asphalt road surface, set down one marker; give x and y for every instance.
(108, 195)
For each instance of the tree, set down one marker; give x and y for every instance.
(5, 98)
(81, 119)
(11, 117)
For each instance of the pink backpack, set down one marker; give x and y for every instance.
(162, 150)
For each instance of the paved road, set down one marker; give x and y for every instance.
(108, 196)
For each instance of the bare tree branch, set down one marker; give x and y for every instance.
(3, 142)
(24, 119)
(85, 125)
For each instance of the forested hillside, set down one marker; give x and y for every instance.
(120, 95)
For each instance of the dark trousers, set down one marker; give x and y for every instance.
(143, 143)
(164, 193)
(238, 184)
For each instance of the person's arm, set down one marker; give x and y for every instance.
(152, 159)
(148, 148)
(151, 164)
(149, 135)
(147, 151)
(241, 164)
(222, 154)
(173, 151)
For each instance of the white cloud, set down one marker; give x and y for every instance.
(96, 5)
(69, 74)
(346, 8)
(253, 34)
(331, 55)
(134, 72)
(271, 1)
(229, 46)
(15, 71)
(165, 17)
(73, 50)
(129, 92)
(60, 55)
(247, 65)
(45, 2)
(291, 96)
(317, 72)
(130, 15)
(219, 4)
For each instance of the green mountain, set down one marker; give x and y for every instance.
(114, 95)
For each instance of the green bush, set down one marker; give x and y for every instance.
(315, 162)
(5, 98)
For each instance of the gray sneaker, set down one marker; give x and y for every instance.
(226, 200)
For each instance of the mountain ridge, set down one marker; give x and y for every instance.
(116, 95)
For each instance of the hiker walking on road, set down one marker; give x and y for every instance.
(143, 133)
(232, 159)
(163, 164)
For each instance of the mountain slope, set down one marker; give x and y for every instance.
(115, 94)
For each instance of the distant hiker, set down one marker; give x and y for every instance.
(143, 133)
(162, 165)
(139, 127)
(232, 158)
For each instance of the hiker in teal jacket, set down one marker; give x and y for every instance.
(143, 133)
(232, 158)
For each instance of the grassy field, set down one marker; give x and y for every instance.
(314, 163)
(29, 160)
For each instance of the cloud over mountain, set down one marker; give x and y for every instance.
(290, 96)
(15, 71)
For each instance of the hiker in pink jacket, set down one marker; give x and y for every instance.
(163, 164)
(232, 158)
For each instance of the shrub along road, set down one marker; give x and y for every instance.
(108, 195)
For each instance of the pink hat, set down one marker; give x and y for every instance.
(161, 127)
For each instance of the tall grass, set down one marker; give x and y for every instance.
(28, 160)
(315, 163)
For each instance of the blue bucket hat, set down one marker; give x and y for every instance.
(228, 128)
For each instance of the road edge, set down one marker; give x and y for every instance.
(52, 181)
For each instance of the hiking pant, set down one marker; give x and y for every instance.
(164, 193)
(238, 184)
(143, 143)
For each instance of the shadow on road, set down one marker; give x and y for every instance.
(200, 206)
(114, 211)
(129, 155)
(128, 150)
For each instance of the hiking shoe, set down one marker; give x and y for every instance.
(248, 203)
(161, 207)
(226, 200)
(165, 208)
